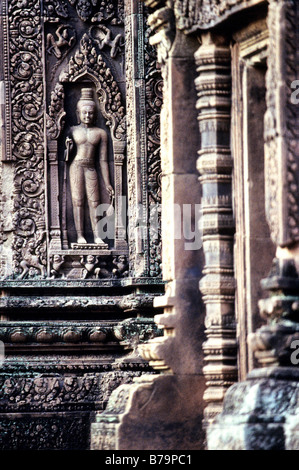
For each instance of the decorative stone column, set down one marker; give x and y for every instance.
(120, 229)
(262, 412)
(164, 411)
(213, 86)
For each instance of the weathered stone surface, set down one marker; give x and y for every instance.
(145, 420)
(259, 414)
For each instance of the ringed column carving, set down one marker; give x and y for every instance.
(214, 164)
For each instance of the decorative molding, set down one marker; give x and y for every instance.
(194, 15)
(136, 138)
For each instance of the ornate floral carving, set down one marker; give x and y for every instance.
(54, 8)
(112, 12)
(281, 126)
(65, 432)
(88, 62)
(54, 119)
(154, 99)
(27, 123)
(99, 11)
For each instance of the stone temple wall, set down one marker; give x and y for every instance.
(80, 236)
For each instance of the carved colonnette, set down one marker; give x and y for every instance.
(74, 312)
(215, 163)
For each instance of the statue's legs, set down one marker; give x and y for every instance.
(93, 197)
(78, 209)
(77, 191)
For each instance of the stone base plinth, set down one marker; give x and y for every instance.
(154, 413)
(261, 413)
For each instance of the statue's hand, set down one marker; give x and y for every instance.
(110, 191)
(69, 143)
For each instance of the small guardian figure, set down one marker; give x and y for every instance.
(91, 142)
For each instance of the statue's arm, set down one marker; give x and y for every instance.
(69, 145)
(104, 163)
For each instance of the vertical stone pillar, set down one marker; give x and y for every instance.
(55, 233)
(261, 413)
(136, 132)
(120, 220)
(165, 411)
(213, 86)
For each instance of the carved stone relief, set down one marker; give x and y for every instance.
(192, 15)
(88, 54)
(60, 368)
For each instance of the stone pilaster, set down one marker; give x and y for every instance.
(139, 416)
(262, 412)
(213, 86)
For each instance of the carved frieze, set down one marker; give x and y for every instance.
(192, 15)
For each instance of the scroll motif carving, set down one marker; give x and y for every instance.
(154, 99)
(27, 127)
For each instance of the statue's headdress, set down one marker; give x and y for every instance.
(86, 98)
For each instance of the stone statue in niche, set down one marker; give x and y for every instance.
(89, 142)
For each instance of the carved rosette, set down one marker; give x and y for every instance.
(213, 86)
(26, 93)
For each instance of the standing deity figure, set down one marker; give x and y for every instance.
(90, 142)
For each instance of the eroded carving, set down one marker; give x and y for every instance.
(121, 266)
(63, 40)
(103, 36)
